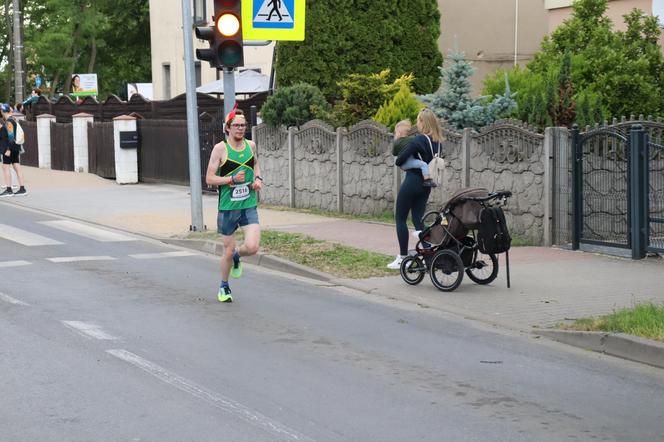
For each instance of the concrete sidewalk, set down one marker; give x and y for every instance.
(548, 285)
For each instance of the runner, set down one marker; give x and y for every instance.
(234, 168)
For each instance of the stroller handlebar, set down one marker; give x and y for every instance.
(504, 194)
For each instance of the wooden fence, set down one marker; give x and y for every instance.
(174, 109)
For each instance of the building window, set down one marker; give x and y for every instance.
(199, 12)
(167, 80)
(197, 67)
(658, 11)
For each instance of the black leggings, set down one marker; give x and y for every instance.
(412, 197)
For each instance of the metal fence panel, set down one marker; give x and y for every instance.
(163, 154)
(101, 149)
(31, 146)
(62, 146)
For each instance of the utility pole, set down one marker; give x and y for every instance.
(18, 53)
(195, 182)
(516, 32)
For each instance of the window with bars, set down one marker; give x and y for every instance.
(199, 11)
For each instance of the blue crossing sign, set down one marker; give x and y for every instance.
(273, 19)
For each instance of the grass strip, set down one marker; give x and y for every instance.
(329, 257)
(385, 217)
(645, 320)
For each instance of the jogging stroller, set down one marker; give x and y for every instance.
(464, 236)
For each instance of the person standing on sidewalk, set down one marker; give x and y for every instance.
(413, 195)
(10, 153)
(234, 168)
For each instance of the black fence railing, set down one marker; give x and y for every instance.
(618, 189)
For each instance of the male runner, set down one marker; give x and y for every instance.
(233, 167)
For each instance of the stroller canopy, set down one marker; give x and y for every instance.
(468, 212)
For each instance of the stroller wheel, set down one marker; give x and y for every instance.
(484, 268)
(413, 270)
(446, 270)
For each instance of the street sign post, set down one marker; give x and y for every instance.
(273, 19)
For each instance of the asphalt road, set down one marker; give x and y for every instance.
(107, 337)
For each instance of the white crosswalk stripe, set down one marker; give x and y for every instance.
(88, 231)
(80, 258)
(162, 255)
(24, 237)
(6, 264)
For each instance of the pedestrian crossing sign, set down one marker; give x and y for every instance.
(273, 19)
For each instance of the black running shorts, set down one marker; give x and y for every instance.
(11, 159)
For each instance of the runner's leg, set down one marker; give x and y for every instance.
(227, 257)
(252, 238)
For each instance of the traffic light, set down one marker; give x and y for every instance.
(207, 33)
(225, 37)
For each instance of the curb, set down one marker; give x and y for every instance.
(620, 345)
(614, 344)
(259, 259)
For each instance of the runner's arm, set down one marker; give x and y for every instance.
(217, 158)
(258, 182)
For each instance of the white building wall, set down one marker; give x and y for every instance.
(167, 46)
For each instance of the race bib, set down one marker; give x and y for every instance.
(240, 192)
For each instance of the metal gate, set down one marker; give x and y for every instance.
(211, 132)
(101, 149)
(601, 188)
(654, 201)
(62, 146)
(31, 155)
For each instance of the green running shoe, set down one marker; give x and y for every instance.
(224, 294)
(236, 271)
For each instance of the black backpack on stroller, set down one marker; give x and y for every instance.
(492, 234)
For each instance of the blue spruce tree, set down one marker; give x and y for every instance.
(453, 103)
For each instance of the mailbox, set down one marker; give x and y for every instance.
(129, 140)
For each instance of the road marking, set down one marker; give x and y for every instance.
(162, 255)
(80, 258)
(14, 263)
(217, 400)
(88, 231)
(10, 300)
(25, 238)
(89, 330)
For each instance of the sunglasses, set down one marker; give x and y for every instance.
(238, 125)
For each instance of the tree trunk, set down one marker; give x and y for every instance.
(18, 52)
(10, 40)
(93, 55)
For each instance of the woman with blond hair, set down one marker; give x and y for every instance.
(413, 195)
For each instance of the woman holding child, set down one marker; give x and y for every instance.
(416, 187)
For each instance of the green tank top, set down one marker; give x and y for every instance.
(237, 196)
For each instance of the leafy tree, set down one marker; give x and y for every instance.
(108, 37)
(404, 106)
(346, 37)
(564, 110)
(608, 72)
(362, 95)
(453, 102)
(293, 105)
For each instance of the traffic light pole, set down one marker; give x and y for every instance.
(195, 182)
(229, 90)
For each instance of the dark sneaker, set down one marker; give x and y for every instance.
(224, 294)
(21, 192)
(429, 183)
(6, 193)
(236, 271)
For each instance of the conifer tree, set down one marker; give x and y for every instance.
(346, 37)
(453, 102)
(404, 106)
